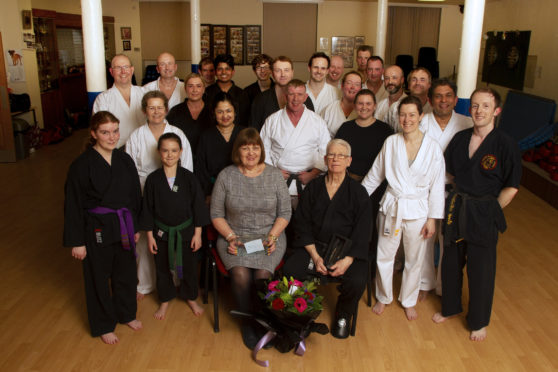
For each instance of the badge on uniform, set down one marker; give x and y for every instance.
(98, 236)
(160, 233)
(175, 188)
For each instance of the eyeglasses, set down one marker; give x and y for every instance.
(337, 156)
(155, 108)
(123, 68)
(262, 68)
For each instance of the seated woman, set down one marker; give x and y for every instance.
(250, 202)
(216, 143)
(413, 165)
(334, 204)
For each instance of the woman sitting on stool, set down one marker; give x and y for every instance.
(334, 204)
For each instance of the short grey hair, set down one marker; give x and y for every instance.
(341, 142)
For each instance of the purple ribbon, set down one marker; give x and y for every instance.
(301, 348)
(264, 340)
(126, 225)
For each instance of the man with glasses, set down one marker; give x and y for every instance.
(123, 99)
(167, 82)
(224, 71)
(261, 65)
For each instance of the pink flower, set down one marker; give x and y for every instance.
(272, 285)
(300, 304)
(278, 304)
(295, 282)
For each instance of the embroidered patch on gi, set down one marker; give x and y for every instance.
(160, 233)
(98, 236)
(175, 188)
(488, 162)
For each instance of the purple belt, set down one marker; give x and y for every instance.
(126, 225)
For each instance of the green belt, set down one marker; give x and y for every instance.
(174, 234)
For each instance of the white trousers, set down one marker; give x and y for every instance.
(429, 279)
(414, 246)
(146, 266)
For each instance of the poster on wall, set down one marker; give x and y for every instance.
(344, 46)
(505, 58)
(236, 44)
(253, 39)
(359, 41)
(218, 40)
(14, 65)
(205, 40)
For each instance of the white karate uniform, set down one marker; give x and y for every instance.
(142, 147)
(429, 126)
(334, 116)
(178, 95)
(381, 94)
(327, 95)
(295, 149)
(388, 114)
(414, 193)
(130, 117)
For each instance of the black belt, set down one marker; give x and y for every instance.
(294, 177)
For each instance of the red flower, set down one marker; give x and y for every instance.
(300, 304)
(278, 304)
(310, 296)
(272, 285)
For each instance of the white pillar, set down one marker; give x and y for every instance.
(471, 36)
(93, 48)
(381, 30)
(195, 31)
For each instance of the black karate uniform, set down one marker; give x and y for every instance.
(92, 183)
(266, 104)
(180, 117)
(173, 206)
(253, 90)
(214, 154)
(317, 219)
(473, 219)
(238, 95)
(366, 143)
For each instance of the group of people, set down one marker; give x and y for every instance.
(282, 170)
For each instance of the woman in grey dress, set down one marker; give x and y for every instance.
(250, 203)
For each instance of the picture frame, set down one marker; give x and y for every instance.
(26, 19)
(126, 45)
(345, 47)
(205, 40)
(126, 33)
(218, 40)
(252, 42)
(235, 43)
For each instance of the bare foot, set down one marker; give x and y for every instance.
(411, 313)
(422, 295)
(439, 318)
(478, 335)
(109, 338)
(135, 325)
(139, 296)
(379, 308)
(196, 308)
(160, 313)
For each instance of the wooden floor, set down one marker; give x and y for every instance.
(43, 324)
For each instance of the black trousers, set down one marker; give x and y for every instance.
(110, 278)
(352, 285)
(481, 273)
(188, 288)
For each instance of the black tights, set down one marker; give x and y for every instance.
(243, 280)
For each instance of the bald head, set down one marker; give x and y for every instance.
(166, 65)
(393, 79)
(121, 70)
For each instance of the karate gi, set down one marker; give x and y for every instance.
(414, 194)
(334, 116)
(473, 219)
(181, 117)
(429, 126)
(92, 183)
(327, 95)
(178, 94)
(295, 149)
(389, 114)
(239, 96)
(317, 219)
(172, 206)
(142, 147)
(266, 104)
(130, 117)
(381, 94)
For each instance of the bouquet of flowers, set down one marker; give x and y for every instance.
(293, 296)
